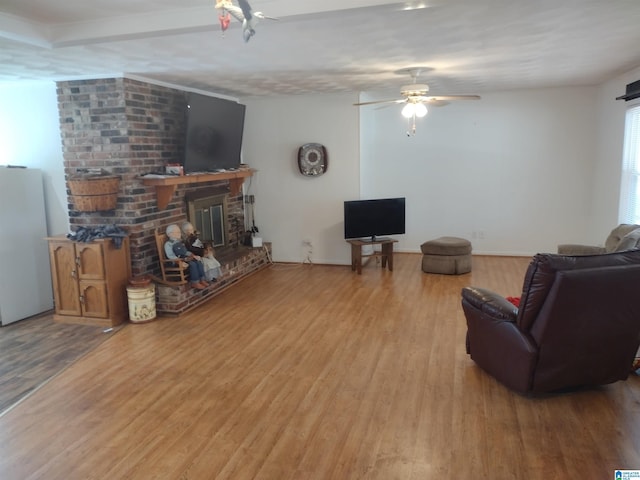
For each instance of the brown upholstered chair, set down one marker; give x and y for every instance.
(624, 237)
(578, 323)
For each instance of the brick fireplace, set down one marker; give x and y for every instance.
(130, 128)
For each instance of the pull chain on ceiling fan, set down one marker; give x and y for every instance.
(416, 99)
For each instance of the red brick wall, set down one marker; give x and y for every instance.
(130, 128)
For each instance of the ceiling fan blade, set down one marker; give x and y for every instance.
(382, 106)
(437, 103)
(446, 98)
(401, 100)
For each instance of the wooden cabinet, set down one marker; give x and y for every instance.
(90, 281)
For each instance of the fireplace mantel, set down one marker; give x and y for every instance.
(166, 185)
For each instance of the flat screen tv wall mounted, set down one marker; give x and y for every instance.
(373, 218)
(214, 129)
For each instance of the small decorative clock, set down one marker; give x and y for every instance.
(312, 159)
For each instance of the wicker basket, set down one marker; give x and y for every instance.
(94, 194)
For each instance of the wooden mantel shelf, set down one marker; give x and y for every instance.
(166, 185)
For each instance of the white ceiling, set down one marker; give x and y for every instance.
(323, 46)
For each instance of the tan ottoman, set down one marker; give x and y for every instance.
(446, 255)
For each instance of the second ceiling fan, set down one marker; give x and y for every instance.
(416, 98)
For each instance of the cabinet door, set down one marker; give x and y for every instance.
(65, 278)
(90, 261)
(93, 296)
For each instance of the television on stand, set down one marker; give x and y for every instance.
(214, 130)
(368, 219)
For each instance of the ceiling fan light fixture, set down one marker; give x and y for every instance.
(420, 110)
(409, 110)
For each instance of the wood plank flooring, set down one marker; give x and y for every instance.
(34, 350)
(314, 372)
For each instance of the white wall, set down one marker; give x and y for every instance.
(512, 172)
(30, 136)
(290, 207)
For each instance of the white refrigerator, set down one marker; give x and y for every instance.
(25, 272)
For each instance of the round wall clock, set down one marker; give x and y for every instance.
(312, 159)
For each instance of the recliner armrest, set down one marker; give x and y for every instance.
(494, 305)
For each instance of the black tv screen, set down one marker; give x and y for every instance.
(214, 131)
(372, 218)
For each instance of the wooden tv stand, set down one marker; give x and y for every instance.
(386, 252)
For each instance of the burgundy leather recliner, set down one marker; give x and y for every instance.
(578, 323)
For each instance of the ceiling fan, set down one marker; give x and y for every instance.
(416, 98)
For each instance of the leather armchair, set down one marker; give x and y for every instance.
(624, 237)
(578, 323)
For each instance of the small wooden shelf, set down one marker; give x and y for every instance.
(166, 185)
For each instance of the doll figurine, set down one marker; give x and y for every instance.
(191, 239)
(175, 249)
(211, 265)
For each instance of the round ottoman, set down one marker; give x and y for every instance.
(446, 255)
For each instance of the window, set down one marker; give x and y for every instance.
(630, 184)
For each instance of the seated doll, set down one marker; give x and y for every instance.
(193, 243)
(191, 239)
(211, 265)
(174, 248)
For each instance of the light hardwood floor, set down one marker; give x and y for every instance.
(314, 372)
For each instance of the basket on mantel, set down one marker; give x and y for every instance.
(94, 193)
